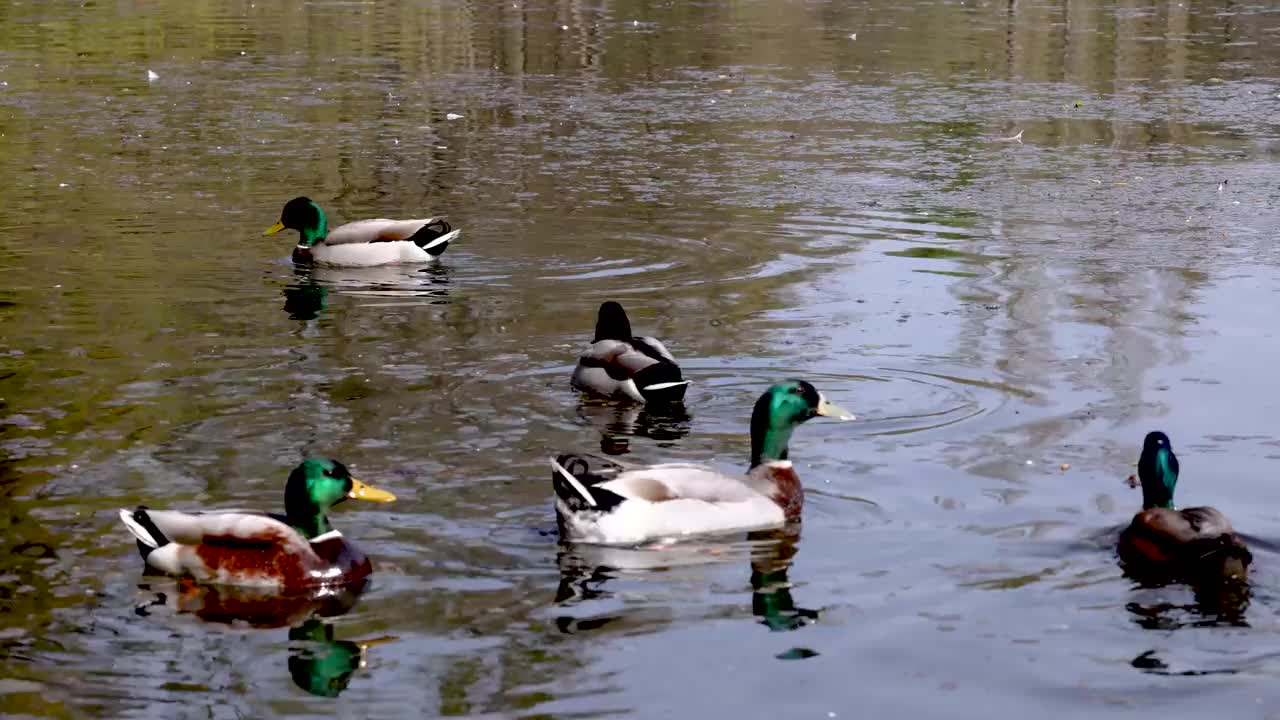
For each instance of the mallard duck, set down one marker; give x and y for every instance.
(616, 505)
(618, 365)
(290, 552)
(364, 242)
(1194, 544)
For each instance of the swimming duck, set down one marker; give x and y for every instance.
(618, 365)
(290, 552)
(1194, 544)
(362, 243)
(617, 505)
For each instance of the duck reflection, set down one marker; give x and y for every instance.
(1208, 605)
(585, 570)
(322, 665)
(308, 296)
(664, 423)
(1149, 662)
(318, 663)
(771, 599)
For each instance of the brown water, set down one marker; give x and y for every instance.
(821, 189)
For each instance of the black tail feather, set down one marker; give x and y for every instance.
(657, 374)
(141, 517)
(579, 468)
(430, 232)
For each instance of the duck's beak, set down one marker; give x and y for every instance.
(832, 410)
(274, 228)
(364, 646)
(360, 491)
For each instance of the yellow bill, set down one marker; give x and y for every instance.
(360, 491)
(832, 410)
(274, 228)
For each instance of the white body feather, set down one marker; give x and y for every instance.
(185, 531)
(691, 500)
(358, 244)
(597, 380)
(588, 375)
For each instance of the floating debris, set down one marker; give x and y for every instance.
(1066, 466)
(1013, 138)
(452, 116)
(152, 76)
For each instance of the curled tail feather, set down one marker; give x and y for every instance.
(140, 525)
(578, 488)
(1225, 555)
(434, 237)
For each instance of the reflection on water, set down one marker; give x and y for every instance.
(771, 599)
(1217, 604)
(317, 662)
(619, 421)
(586, 571)
(815, 189)
(308, 297)
(322, 665)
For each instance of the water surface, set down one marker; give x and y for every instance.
(1011, 237)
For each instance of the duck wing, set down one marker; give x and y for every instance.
(641, 370)
(232, 546)
(612, 506)
(652, 347)
(608, 485)
(1173, 527)
(382, 230)
(619, 359)
(1198, 541)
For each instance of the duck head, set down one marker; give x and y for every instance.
(612, 323)
(306, 217)
(317, 485)
(779, 411)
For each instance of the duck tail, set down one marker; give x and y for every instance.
(144, 530)
(661, 382)
(567, 486)
(1224, 557)
(577, 488)
(435, 236)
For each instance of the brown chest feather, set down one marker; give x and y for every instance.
(267, 557)
(788, 493)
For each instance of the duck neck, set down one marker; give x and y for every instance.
(769, 438)
(310, 525)
(1158, 478)
(311, 235)
(772, 445)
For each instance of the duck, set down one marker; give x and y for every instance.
(613, 504)
(294, 552)
(618, 365)
(1193, 544)
(363, 243)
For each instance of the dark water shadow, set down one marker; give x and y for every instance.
(317, 662)
(1221, 603)
(663, 423)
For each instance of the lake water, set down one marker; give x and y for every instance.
(1012, 237)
